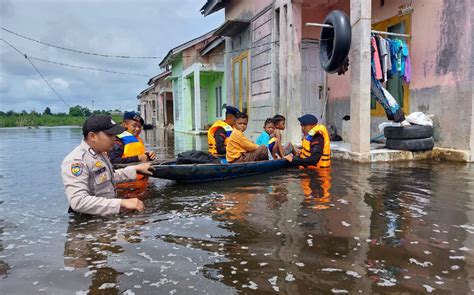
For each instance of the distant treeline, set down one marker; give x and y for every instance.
(76, 117)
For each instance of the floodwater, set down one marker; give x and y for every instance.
(380, 228)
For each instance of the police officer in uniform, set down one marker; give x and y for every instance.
(88, 176)
(316, 145)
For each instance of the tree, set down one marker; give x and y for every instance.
(47, 111)
(78, 111)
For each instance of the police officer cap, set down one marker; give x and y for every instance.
(103, 123)
(133, 116)
(230, 110)
(308, 119)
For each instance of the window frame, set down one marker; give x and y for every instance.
(238, 60)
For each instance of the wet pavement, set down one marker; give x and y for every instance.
(379, 228)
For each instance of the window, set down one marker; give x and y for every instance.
(395, 85)
(219, 101)
(240, 82)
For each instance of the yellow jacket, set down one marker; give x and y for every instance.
(237, 145)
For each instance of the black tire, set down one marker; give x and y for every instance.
(335, 42)
(408, 132)
(421, 144)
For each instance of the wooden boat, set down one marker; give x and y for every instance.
(192, 173)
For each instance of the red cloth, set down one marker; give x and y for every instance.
(378, 66)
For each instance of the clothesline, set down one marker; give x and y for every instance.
(372, 31)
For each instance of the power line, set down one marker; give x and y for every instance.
(137, 57)
(38, 71)
(78, 51)
(87, 68)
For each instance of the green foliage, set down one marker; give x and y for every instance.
(76, 117)
(47, 111)
(78, 111)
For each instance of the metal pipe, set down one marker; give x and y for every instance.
(319, 25)
(373, 31)
(391, 34)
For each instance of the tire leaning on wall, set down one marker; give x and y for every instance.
(335, 42)
(420, 144)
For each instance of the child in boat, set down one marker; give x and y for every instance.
(240, 149)
(280, 125)
(268, 138)
(128, 146)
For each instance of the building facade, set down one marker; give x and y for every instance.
(197, 79)
(272, 64)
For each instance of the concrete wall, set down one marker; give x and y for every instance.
(245, 9)
(191, 55)
(442, 65)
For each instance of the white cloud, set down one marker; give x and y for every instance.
(140, 28)
(60, 82)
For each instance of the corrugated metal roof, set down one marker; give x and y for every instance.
(159, 76)
(212, 6)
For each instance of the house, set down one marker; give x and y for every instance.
(164, 99)
(147, 105)
(272, 65)
(197, 78)
(156, 102)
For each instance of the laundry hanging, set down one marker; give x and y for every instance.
(390, 61)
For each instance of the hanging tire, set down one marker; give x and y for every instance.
(335, 42)
(408, 132)
(420, 144)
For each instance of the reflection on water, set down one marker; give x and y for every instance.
(405, 227)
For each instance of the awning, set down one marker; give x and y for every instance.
(211, 46)
(212, 6)
(231, 28)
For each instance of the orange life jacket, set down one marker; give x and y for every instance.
(325, 160)
(211, 132)
(132, 146)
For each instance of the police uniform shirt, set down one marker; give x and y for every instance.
(89, 180)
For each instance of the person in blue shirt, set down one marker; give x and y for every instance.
(268, 138)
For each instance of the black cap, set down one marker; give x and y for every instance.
(308, 119)
(230, 110)
(103, 123)
(133, 116)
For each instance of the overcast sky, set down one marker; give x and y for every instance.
(114, 27)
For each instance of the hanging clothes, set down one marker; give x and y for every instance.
(407, 73)
(376, 59)
(383, 52)
(389, 59)
(393, 56)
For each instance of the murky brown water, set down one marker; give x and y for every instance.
(362, 228)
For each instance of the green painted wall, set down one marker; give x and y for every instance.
(179, 111)
(211, 81)
(188, 93)
(183, 93)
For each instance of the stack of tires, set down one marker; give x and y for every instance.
(409, 138)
